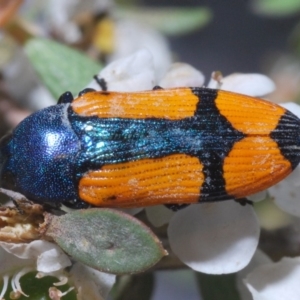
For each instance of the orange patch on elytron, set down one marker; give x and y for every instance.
(172, 179)
(253, 165)
(247, 114)
(173, 104)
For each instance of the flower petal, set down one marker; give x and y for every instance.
(41, 252)
(90, 283)
(27, 251)
(133, 73)
(215, 238)
(286, 193)
(52, 260)
(60, 15)
(159, 215)
(131, 211)
(256, 85)
(258, 196)
(182, 75)
(275, 281)
(258, 259)
(131, 36)
(10, 262)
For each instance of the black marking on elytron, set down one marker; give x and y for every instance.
(287, 136)
(208, 136)
(65, 98)
(86, 90)
(101, 82)
(216, 147)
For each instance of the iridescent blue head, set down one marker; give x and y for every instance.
(37, 158)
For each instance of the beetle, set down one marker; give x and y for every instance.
(164, 146)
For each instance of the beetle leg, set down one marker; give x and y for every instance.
(176, 207)
(244, 201)
(101, 82)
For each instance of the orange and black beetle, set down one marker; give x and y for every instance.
(165, 146)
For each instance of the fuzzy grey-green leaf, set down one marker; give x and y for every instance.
(276, 8)
(60, 67)
(171, 20)
(107, 240)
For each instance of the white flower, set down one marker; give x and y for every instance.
(286, 193)
(159, 215)
(60, 16)
(255, 85)
(258, 196)
(275, 281)
(213, 238)
(133, 73)
(141, 36)
(90, 283)
(258, 259)
(19, 259)
(47, 258)
(128, 36)
(184, 75)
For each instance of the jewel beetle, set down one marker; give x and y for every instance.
(164, 146)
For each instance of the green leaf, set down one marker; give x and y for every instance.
(61, 68)
(294, 43)
(277, 8)
(172, 20)
(107, 240)
(217, 286)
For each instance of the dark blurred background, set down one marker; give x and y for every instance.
(236, 39)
